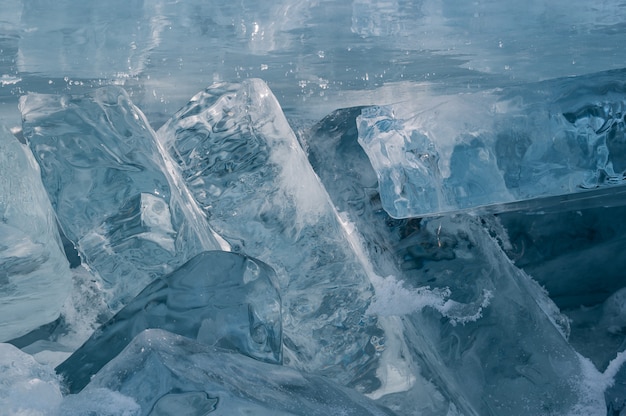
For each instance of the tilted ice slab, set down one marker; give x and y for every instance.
(446, 153)
(115, 196)
(35, 276)
(169, 374)
(217, 298)
(497, 345)
(245, 168)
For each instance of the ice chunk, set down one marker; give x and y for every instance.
(35, 276)
(115, 196)
(218, 298)
(454, 152)
(245, 168)
(101, 402)
(169, 374)
(495, 344)
(27, 387)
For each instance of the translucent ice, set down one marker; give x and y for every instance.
(113, 193)
(27, 387)
(35, 276)
(497, 345)
(218, 298)
(245, 168)
(96, 44)
(169, 374)
(453, 152)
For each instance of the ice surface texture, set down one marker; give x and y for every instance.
(218, 298)
(454, 152)
(246, 170)
(507, 352)
(169, 374)
(114, 196)
(26, 387)
(35, 276)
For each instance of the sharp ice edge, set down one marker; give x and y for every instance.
(270, 203)
(446, 154)
(102, 227)
(34, 273)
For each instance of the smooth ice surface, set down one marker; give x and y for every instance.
(498, 344)
(245, 168)
(114, 196)
(217, 298)
(454, 152)
(316, 56)
(572, 253)
(169, 374)
(35, 276)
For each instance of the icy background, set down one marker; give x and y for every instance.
(312, 207)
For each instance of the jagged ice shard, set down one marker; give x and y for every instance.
(456, 152)
(114, 196)
(498, 344)
(35, 276)
(245, 168)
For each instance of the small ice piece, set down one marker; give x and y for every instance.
(35, 276)
(448, 153)
(168, 374)
(218, 298)
(27, 387)
(245, 168)
(101, 402)
(116, 197)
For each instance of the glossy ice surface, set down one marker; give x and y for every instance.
(431, 190)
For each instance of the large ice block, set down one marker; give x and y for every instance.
(497, 345)
(218, 298)
(35, 276)
(168, 374)
(245, 168)
(445, 153)
(115, 196)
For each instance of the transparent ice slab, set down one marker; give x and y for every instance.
(217, 298)
(245, 168)
(510, 356)
(169, 374)
(446, 153)
(35, 277)
(115, 196)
